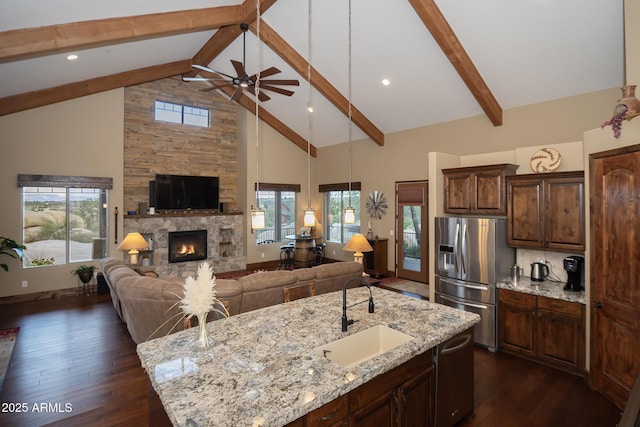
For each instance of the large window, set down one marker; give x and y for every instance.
(64, 219)
(279, 204)
(336, 199)
(182, 114)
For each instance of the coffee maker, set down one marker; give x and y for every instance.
(574, 265)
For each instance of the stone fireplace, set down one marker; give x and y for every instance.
(187, 245)
(223, 246)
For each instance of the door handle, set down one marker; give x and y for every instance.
(597, 304)
(483, 307)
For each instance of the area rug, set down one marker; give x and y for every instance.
(7, 343)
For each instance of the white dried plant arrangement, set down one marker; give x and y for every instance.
(200, 293)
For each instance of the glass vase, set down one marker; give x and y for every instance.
(202, 341)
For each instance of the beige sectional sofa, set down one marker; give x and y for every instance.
(150, 305)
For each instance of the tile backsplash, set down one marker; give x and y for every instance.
(555, 261)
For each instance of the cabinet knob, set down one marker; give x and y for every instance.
(597, 304)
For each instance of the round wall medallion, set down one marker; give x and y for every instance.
(546, 160)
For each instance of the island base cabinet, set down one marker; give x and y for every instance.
(404, 396)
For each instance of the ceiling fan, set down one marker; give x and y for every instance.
(243, 80)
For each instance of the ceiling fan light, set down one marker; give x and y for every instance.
(243, 83)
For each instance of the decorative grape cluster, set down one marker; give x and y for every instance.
(616, 121)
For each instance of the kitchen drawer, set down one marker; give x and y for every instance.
(520, 298)
(329, 414)
(565, 307)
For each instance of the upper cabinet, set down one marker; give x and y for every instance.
(476, 190)
(546, 211)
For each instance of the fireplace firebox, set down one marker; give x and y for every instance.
(187, 245)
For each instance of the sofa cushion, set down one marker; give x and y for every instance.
(332, 277)
(264, 288)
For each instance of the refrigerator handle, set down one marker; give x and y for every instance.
(464, 244)
(467, 304)
(457, 248)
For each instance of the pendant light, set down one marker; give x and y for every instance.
(257, 214)
(309, 219)
(349, 212)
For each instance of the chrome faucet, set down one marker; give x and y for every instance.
(345, 321)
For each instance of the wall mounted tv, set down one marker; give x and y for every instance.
(175, 192)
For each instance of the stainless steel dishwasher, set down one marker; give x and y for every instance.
(454, 379)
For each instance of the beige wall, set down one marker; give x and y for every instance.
(81, 137)
(468, 142)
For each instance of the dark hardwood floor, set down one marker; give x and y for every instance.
(74, 351)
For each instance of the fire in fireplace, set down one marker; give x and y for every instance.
(187, 245)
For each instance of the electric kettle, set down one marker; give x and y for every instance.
(539, 271)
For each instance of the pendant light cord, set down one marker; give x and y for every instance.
(257, 94)
(350, 112)
(309, 106)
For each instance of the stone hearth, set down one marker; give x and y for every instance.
(224, 240)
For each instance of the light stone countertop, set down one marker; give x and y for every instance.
(546, 288)
(262, 370)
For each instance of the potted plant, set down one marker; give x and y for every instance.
(11, 248)
(84, 272)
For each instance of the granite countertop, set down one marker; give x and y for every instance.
(262, 370)
(547, 288)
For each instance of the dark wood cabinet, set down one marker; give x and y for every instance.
(546, 211)
(404, 396)
(375, 262)
(476, 190)
(545, 329)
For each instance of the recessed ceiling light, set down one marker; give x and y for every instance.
(310, 108)
(386, 82)
(72, 57)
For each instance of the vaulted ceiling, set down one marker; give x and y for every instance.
(445, 60)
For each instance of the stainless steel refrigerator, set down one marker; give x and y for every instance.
(472, 255)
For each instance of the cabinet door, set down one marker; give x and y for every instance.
(417, 399)
(524, 213)
(517, 321)
(488, 197)
(380, 412)
(561, 333)
(564, 215)
(457, 192)
(375, 262)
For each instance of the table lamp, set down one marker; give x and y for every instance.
(358, 244)
(132, 243)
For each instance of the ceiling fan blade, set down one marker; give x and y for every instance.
(236, 93)
(269, 72)
(201, 79)
(209, 70)
(210, 88)
(277, 90)
(237, 65)
(281, 82)
(263, 96)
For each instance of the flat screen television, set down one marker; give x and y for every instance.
(187, 192)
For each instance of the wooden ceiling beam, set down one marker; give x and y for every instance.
(322, 85)
(272, 121)
(40, 41)
(38, 98)
(441, 31)
(227, 34)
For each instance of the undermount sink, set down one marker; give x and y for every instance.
(364, 345)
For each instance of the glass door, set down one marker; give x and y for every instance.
(411, 230)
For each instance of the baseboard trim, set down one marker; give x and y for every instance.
(38, 296)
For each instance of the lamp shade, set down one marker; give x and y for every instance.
(358, 244)
(349, 215)
(309, 218)
(132, 243)
(257, 219)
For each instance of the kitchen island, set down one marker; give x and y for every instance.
(264, 368)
